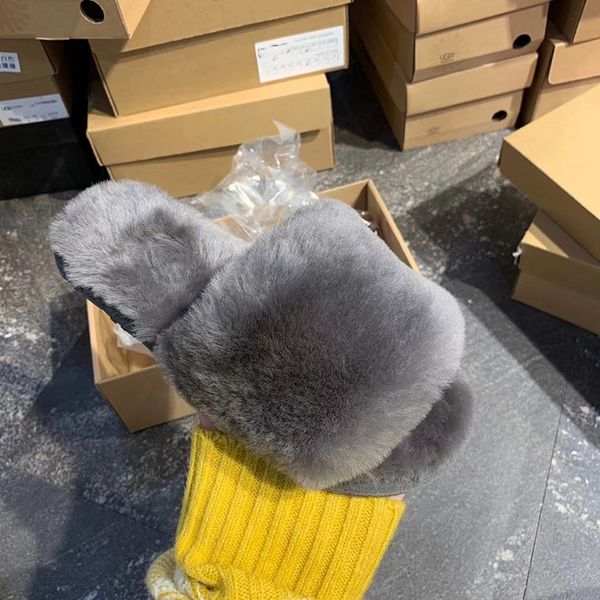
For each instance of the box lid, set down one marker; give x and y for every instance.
(572, 62)
(476, 83)
(217, 122)
(549, 252)
(426, 16)
(168, 21)
(554, 160)
(64, 19)
(579, 20)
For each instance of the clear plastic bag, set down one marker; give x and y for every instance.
(267, 182)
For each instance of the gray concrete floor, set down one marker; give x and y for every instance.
(84, 505)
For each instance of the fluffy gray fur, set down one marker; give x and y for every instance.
(318, 348)
(140, 251)
(424, 454)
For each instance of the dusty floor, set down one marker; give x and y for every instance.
(84, 505)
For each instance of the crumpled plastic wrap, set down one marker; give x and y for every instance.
(126, 341)
(268, 181)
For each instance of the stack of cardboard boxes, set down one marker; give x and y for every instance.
(446, 70)
(569, 63)
(197, 79)
(43, 89)
(41, 150)
(554, 161)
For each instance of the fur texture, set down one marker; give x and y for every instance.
(139, 251)
(318, 348)
(426, 453)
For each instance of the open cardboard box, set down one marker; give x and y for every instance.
(554, 161)
(462, 47)
(444, 124)
(223, 62)
(134, 384)
(64, 19)
(579, 20)
(187, 149)
(557, 275)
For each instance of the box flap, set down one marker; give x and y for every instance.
(426, 16)
(64, 19)
(479, 82)
(578, 20)
(554, 160)
(216, 122)
(168, 21)
(573, 62)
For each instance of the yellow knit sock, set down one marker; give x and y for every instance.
(247, 532)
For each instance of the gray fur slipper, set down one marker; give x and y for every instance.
(315, 345)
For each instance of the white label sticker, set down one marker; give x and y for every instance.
(301, 54)
(9, 62)
(32, 110)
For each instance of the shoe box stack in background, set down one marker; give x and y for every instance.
(43, 90)
(451, 69)
(42, 118)
(178, 86)
(554, 160)
(197, 79)
(569, 63)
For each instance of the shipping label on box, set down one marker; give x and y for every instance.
(301, 54)
(9, 62)
(32, 110)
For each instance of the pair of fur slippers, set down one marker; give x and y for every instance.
(314, 346)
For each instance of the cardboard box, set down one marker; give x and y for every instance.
(188, 148)
(426, 56)
(476, 83)
(21, 60)
(557, 275)
(579, 20)
(426, 16)
(167, 21)
(557, 78)
(135, 386)
(554, 161)
(571, 62)
(225, 62)
(549, 252)
(559, 301)
(189, 174)
(451, 123)
(33, 101)
(64, 19)
(45, 157)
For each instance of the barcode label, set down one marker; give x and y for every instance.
(9, 62)
(301, 54)
(32, 110)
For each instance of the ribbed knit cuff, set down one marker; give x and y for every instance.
(246, 531)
